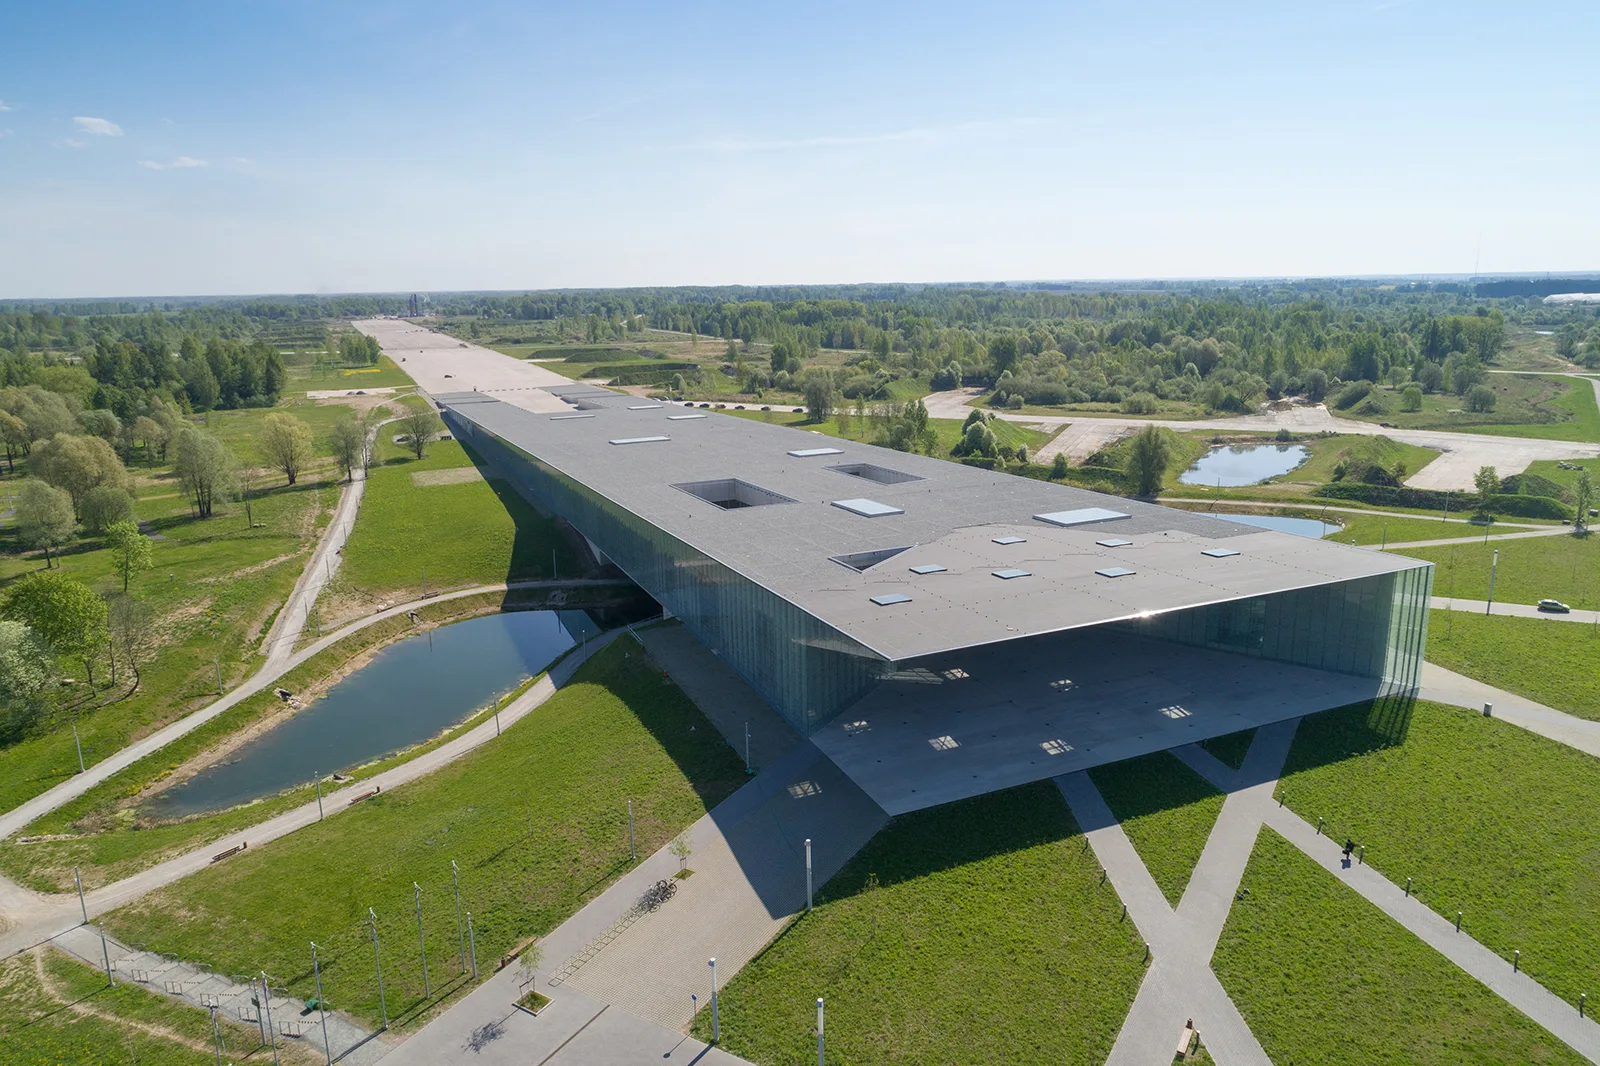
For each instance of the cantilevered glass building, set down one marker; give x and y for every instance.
(941, 630)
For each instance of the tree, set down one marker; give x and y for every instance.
(26, 669)
(14, 434)
(1411, 398)
(100, 423)
(1487, 482)
(979, 439)
(205, 469)
(1058, 468)
(103, 505)
(1480, 399)
(821, 395)
(419, 425)
(78, 464)
(133, 551)
(1004, 352)
(63, 611)
(150, 433)
(285, 443)
(1316, 385)
(132, 637)
(44, 517)
(347, 441)
(200, 382)
(1149, 454)
(1583, 496)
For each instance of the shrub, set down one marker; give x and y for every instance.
(1058, 469)
(1140, 403)
(1411, 398)
(1352, 394)
(104, 505)
(1480, 399)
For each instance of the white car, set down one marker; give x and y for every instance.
(1554, 607)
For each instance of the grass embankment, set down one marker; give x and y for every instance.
(1324, 978)
(1540, 407)
(1489, 819)
(463, 532)
(212, 592)
(112, 838)
(1167, 811)
(974, 932)
(1566, 568)
(1384, 530)
(55, 1010)
(537, 822)
(387, 374)
(1326, 453)
(1232, 748)
(1549, 661)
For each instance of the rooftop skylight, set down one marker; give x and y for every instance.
(1010, 540)
(731, 494)
(881, 475)
(863, 561)
(1113, 542)
(811, 453)
(1080, 517)
(682, 418)
(1012, 573)
(868, 508)
(563, 418)
(1115, 571)
(888, 599)
(928, 568)
(635, 440)
(1219, 553)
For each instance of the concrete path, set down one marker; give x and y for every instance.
(348, 1040)
(48, 916)
(1445, 686)
(1308, 504)
(1461, 453)
(1511, 610)
(291, 620)
(1518, 989)
(1445, 542)
(439, 363)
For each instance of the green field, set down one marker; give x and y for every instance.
(472, 532)
(1551, 662)
(1566, 568)
(1166, 809)
(537, 822)
(1328, 452)
(976, 932)
(387, 374)
(1546, 408)
(1488, 818)
(1399, 529)
(1324, 978)
(56, 1011)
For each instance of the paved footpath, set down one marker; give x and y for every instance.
(1444, 686)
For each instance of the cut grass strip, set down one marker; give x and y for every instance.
(1489, 819)
(1166, 809)
(1549, 661)
(976, 932)
(1324, 978)
(1232, 748)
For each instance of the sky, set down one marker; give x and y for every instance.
(191, 149)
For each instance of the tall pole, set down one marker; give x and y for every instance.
(105, 953)
(83, 906)
(747, 747)
(424, 582)
(808, 875)
(1493, 567)
(819, 1031)
(422, 942)
(322, 1008)
(633, 856)
(377, 962)
(216, 1035)
(266, 1005)
(217, 662)
(318, 775)
(472, 945)
(461, 929)
(79, 745)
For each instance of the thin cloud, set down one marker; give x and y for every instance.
(183, 162)
(7, 132)
(4, 106)
(98, 126)
(243, 161)
(924, 134)
(69, 142)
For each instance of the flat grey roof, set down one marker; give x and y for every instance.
(970, 521)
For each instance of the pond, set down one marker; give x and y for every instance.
(408, 692)
(1244, 464)
(1300, 527)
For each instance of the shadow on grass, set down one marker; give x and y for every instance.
(1346, 732)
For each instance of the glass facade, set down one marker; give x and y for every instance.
(809, 671)
(806, 669)
(1371, 627)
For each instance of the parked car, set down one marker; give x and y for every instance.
(1554, 607)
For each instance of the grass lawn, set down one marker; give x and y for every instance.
(1567, 568)
(55, 1010)
(1545, 660)
(1324, 978)
(387, 374)
(1399, 529)
(976, 932)
(1166, 809)
(471, 532)
(1527, 350)
(1546, 408)
(537, 822)
(1488, 818)
(1231, 748)
(110, 837)
(1568, 479)
(1329, 452)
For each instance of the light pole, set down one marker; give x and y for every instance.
(461, 929)
(105, 953)
(81, 904)
(716, 1028)
(318, 775)
(422, 942)
(808, 875)
(322, 1008)
(79, 745)
(819, 1031)
(633, 856)
(747, 749)
(1493, 567)
(266, 1005)
(472, 944)
(377, 962)
(216, 1034)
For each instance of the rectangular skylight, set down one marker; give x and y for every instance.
(638, 440)
(731, 494)
(882, 475)
(861, 562)
(890, 598)
(868, 508)
(1115, 571)
(1219, 553)
(928, 568)
(1081, 516)
(682, 418)
(1113, 542)
(563, 418)
(1010, 540)
(644, 407)
(809, 453)
(1007, 575)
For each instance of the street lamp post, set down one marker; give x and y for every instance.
(819, 1031)
(461, 929)
(422, 941)
(1493, 567)
(266, 1005)
(83, 906)
(322, 1008)
(377, 962)
(716, 1028)
(808, 875)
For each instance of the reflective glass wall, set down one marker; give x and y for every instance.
(1371, 627)
(807, 670)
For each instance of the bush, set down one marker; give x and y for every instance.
(104, 505)
(1352, 394)
(1411, 398)
(1140, 403)
(1058, 469)
(1460, 502)
(1534, 485)
(1480, 399)
(1373, 406)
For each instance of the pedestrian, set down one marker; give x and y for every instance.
(1349, 846)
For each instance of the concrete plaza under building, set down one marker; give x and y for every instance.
(940, 630)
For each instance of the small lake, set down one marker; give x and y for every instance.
(407, 693)
(1300, 527)
(1244, 464)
